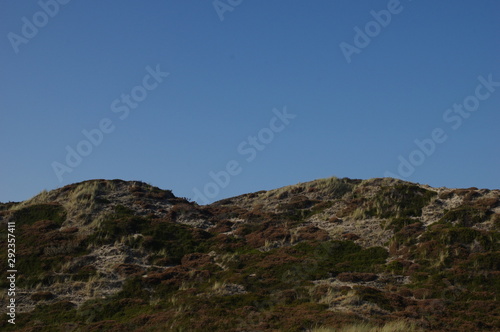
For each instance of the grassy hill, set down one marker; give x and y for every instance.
(327, 255)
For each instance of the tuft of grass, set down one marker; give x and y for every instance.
(42, 197)
(84, 197)
(218, 285)
(394, 326)
(333, 187)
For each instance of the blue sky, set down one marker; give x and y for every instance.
(354, 119)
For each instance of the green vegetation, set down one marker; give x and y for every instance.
(332, 187)
(466, 216)
(397, 224)
(168, 240)
(33, 213)
(401, 200)
(333, 257)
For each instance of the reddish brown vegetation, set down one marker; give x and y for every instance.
(356, 277)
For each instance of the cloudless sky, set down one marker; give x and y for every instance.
(226, 77)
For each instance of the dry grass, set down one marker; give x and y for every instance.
(395, 326)
(97, 221)
(331, 184)
(330, 297)
(92, 285)
(218, 285)
(82, 199)
(42, 197)
(359, 214)
(225, 261)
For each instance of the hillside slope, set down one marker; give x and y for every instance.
(126, 256)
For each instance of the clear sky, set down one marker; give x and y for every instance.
(260, 93)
